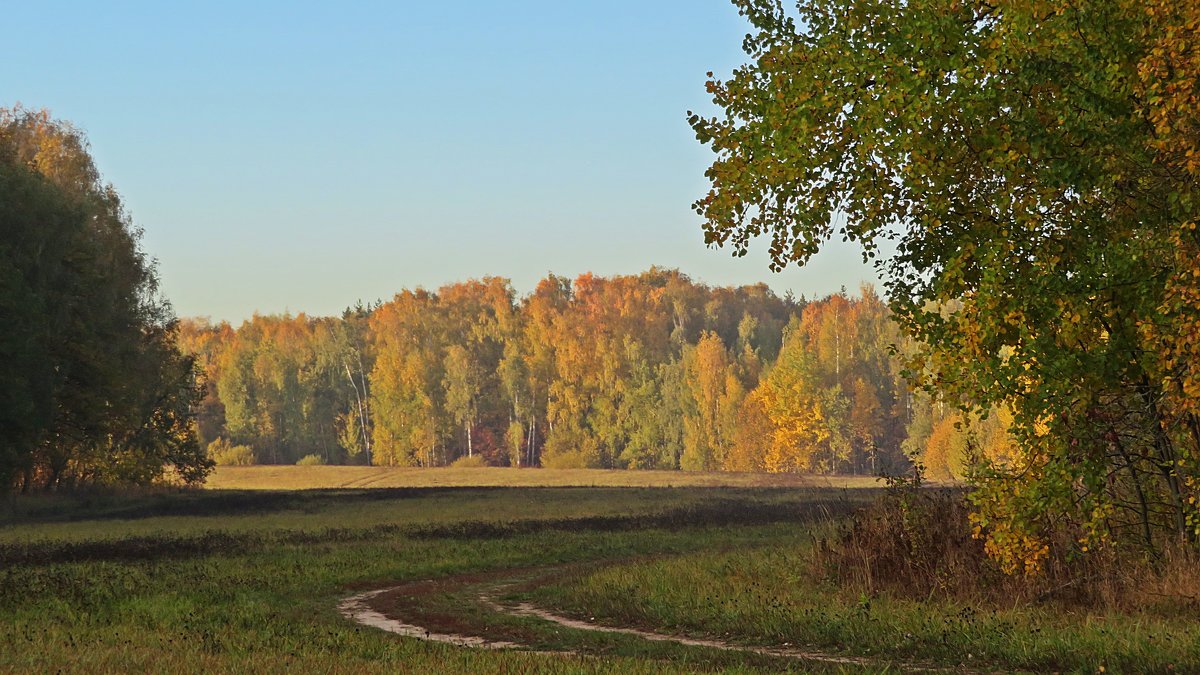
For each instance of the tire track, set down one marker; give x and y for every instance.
(364, 608)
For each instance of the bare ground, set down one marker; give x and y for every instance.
(468, 611)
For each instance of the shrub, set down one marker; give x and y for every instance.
(912, 541)
(569, 448)
(918, 542)
(224, 454)
(310, 460)
(472, 461)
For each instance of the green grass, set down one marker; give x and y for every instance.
(52, 518)
(224, 581)
(771, 595)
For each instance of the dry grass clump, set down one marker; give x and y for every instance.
(912, 543)
(918, 543)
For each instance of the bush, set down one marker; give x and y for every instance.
(917, 542)
(912, 541)
(569, 448)
(224, 454)
(467, 462)
(310, 460)
(570, 459)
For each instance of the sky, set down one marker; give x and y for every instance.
(300, 157)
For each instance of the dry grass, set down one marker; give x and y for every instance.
(918, 544)
(309, 477)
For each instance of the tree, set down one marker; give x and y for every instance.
(406, 382)
(533, 355)
(1033, 164)
(791, 398)
(707, 432)
(463, 384)
(95, 388)
(752, 435)
(619, 372)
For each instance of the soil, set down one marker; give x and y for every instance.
(417, 609)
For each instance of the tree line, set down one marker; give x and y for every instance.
(645, 371)
(103, 385)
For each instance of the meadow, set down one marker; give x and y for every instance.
(266, 477)
(252, 580)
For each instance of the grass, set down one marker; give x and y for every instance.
(330, 477)
(771, 595)
(238, 580)
(249, 581)
(52, 519)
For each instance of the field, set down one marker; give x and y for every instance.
(533, 579)
(307, 477)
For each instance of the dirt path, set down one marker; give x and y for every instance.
(526, 609)
(417, 603)
(357, 608)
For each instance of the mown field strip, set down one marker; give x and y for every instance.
(280, 477)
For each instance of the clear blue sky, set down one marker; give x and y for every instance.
(301, 156)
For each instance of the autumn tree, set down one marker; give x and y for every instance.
(753, 435)
(406, 391)
(646, 371)
(1032, 165)
(463, 382)
(715, 398)
(477, 318)
(93, 387)
(205, 343)
(529, 365)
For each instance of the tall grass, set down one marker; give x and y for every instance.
(919, 544)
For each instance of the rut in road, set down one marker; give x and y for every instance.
(367, 608)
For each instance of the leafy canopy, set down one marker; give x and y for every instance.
(1034, 165)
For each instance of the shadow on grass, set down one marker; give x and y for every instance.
(713, 513)
(116, 506)
(36, 509)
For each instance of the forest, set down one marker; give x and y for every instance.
(648, 371)
(688, 478)
(1037, 333)
(653, 371)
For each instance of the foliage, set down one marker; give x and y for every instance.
(648, 371)
(311, 460)
(93, 388)
(223, 453)
(287, 386)
(468, 461)
(653, 371)
(1033, 166)
(833, 401)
